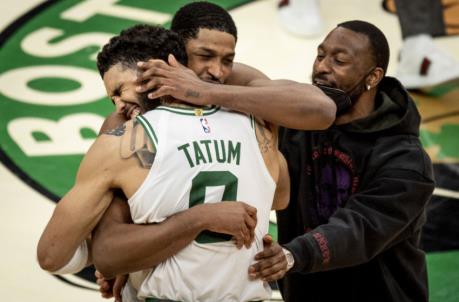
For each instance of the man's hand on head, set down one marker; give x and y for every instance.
(172, 79)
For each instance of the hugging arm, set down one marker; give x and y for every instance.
(120, 247)
(78, 212)
(280, 102)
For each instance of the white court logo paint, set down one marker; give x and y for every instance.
(52, 100)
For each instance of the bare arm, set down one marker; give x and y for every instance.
(282, 194)
(78, 212)
(281, 102)
(244, 75)
(82, 256)
(112, 121)
(115, 237)
(297, 106)
(267, 138)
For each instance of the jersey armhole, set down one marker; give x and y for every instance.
(253, 125)
(149, 130)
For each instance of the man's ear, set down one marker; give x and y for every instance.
(374, 77)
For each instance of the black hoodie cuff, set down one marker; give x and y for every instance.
(303, 249)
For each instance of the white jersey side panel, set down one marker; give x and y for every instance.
(206, 156)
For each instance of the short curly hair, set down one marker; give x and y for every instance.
(140, 43)
(190, 18)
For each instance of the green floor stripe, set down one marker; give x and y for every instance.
(443, 89)
(273, 230)
(443, 271)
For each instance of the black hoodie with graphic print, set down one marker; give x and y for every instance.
(358, 197)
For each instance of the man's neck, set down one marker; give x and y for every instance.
(362, 108)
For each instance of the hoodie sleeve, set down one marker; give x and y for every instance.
(388, 210)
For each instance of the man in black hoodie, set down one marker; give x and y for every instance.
(358, 189)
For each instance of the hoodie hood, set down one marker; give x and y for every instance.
(395, 112)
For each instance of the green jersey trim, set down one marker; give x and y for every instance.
(252, 121)
(149, 129)
(191, 110)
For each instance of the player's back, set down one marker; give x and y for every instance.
(204, 155)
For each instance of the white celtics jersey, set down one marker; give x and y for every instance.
(204, 156)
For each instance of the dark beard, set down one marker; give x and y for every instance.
(147, 104)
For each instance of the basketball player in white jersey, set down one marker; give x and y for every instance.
(178, 241)
(196, 155)
(303, 106)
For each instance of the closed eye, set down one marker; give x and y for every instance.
(228, 61)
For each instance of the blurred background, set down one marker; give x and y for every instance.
(52, 103)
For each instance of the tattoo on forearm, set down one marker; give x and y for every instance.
(192, 93)
(117, 131)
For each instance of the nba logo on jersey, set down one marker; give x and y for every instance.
(205, 125)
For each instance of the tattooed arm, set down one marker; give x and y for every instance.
(281, 102)
(78, 212)
(267, 137)
(114, 120)
(137, 145)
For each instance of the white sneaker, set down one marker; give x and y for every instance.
(300, 17)
(423, 65)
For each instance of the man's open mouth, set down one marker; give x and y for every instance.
(132, 111)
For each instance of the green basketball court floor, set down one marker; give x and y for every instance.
(56, 44)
